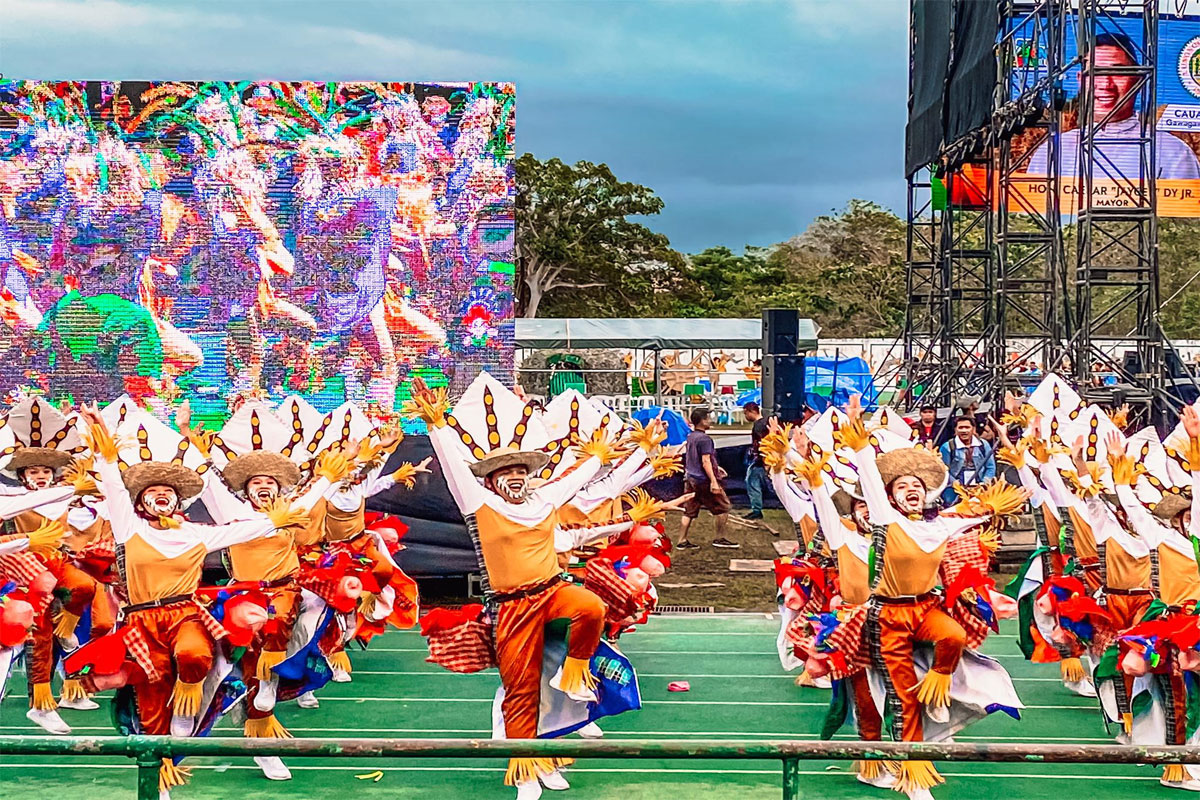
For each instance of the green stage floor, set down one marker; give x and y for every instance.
(738, 691)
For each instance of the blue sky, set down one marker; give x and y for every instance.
(749, 117)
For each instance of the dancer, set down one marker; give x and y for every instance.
(162, 554)
(515, 530)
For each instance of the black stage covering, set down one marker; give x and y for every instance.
(437, 543)
(951, 92)
(930, 56)
(972, 67)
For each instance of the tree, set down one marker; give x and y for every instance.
(576, 243)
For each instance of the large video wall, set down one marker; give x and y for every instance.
(202, 240)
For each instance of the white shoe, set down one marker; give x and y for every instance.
(585, 696)
(529, 790)
(591, 731)
(308, 700)
(164, 795)
(82, 704)
(182, 726)
(49, 721)
(920, 794)
(341, 676)
(1083, 688)
(273, 767)
(1191, 785)
(938, 714)
(264, 701)
(555, 781)
(823, 682)
(884, 780)
(68, 643)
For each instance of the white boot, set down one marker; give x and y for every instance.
(264, 700)
(273, 767)
(49, 721)
(823, 682)
(555, 781)
(529, 790)
(163, 794)
(1083, 688)
(341, 676)
(584, 696)
(82, 704)
(591, 731)
(308, 700)
(182, 726)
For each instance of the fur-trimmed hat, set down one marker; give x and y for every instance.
(186, 482)
(504, 457)
(1172, 505)
(916, 461)
(242, 468)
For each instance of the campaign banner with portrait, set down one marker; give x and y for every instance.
(203, 240)
(1121, 128)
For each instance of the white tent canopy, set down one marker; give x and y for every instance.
(650, 334)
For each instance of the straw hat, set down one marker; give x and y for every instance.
(1172, 505)
(186, 482)
(510, 456)
(916, 461)
(38, 457)
(242, 468)
(844, 497)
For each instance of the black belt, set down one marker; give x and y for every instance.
(165, 601)
(910, 599)
(537, 588)
(1129, 592)
(277, 583)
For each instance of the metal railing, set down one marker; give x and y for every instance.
(148, 751)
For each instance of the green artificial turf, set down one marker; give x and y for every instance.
(738, 690)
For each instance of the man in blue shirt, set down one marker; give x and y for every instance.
(969, 459)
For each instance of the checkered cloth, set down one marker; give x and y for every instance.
(20, 568)
(965, 553)
(466, 647)
(601, 578)
(849, 644)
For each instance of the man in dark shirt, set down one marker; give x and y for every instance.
(927, 427)
(756, 471)
(702, 477)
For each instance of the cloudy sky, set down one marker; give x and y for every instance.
(749, 117)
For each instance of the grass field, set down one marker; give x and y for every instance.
(738, 691)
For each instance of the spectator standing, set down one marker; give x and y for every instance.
(756, 470)
(702, 478)
(927, 426)
(969, 459)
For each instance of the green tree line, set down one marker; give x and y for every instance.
(585, 249)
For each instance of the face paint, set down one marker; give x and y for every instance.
(160, 501)
(37, 477)
(262, 490)
(513, 488)
(908, 494)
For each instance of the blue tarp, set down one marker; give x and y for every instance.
(677, 427)
(852, 376)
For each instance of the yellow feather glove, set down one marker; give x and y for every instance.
(332, 465)
(853, 435)
(430, 406)
(647, 436)
(79, 474)
(1024, 416)
(1125, 469)
(46, 538)
(812, 470)
(642, 506)
(1013, 456)
(406, 475)
(101, 442)
(1192, 451)
(774, 448)
(282, 515)
(665, 463)
(600, 446)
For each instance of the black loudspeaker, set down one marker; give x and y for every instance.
(783, 387)
(781, 331)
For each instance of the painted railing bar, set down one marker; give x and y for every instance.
(162, 746)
